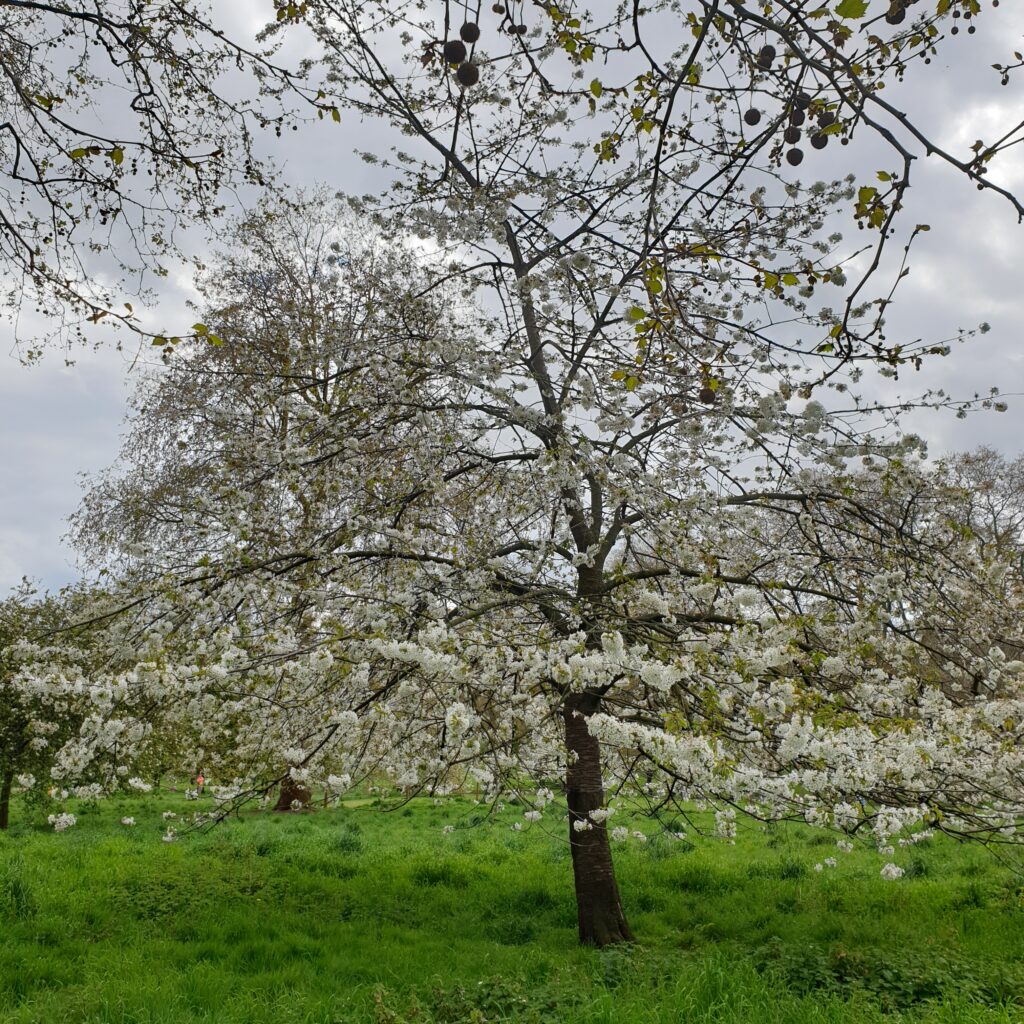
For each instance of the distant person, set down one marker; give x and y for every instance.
(200, 782)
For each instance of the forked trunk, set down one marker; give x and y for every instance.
(6, 785)
(601, 920)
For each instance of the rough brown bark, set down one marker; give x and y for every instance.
(599, 908)
(290, 791)
(5, 799)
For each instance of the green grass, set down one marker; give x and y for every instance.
(358, 915)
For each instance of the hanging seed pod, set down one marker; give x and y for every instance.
(454, 51)
(765, 57)
(795, 156)
(468, 74)
(752, 117)
(819, 140)
(470, 32)
(498, 8)
(897, 12)
(802, 100)
(825, 118)
(797, 117)
(706, 395)
(520, 30)
(792, 135)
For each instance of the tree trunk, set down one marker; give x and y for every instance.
(290, 792)
(5, 799)
(601, 920)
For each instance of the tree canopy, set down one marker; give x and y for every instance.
(571, 468)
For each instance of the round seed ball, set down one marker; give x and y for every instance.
(468, 74)
(454, 51)
(795, 156)
(470, 32)
(752, 117)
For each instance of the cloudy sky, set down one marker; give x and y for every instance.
(58, 422)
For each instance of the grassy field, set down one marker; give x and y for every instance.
(353, 914)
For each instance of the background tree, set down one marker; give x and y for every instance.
(324, 351)
(48, 704)
(989, 497)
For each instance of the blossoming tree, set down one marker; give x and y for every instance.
(55, 720)
(360, 540)
(540, 562)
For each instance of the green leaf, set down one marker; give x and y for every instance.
(117, 155)
(200, 329)
(159, 340)
(790, 279)
(852, 8)
(631, 383)
(619, 375)
(636, 314)
(833, 129)
(864, 196)
(335, 113)
(596, 88)
(78, 153)
(884, 176)
(771, 280)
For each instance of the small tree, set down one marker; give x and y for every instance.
(45, 700)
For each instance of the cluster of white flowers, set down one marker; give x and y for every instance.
(891, 872)
(61, 822)
(128, 821)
